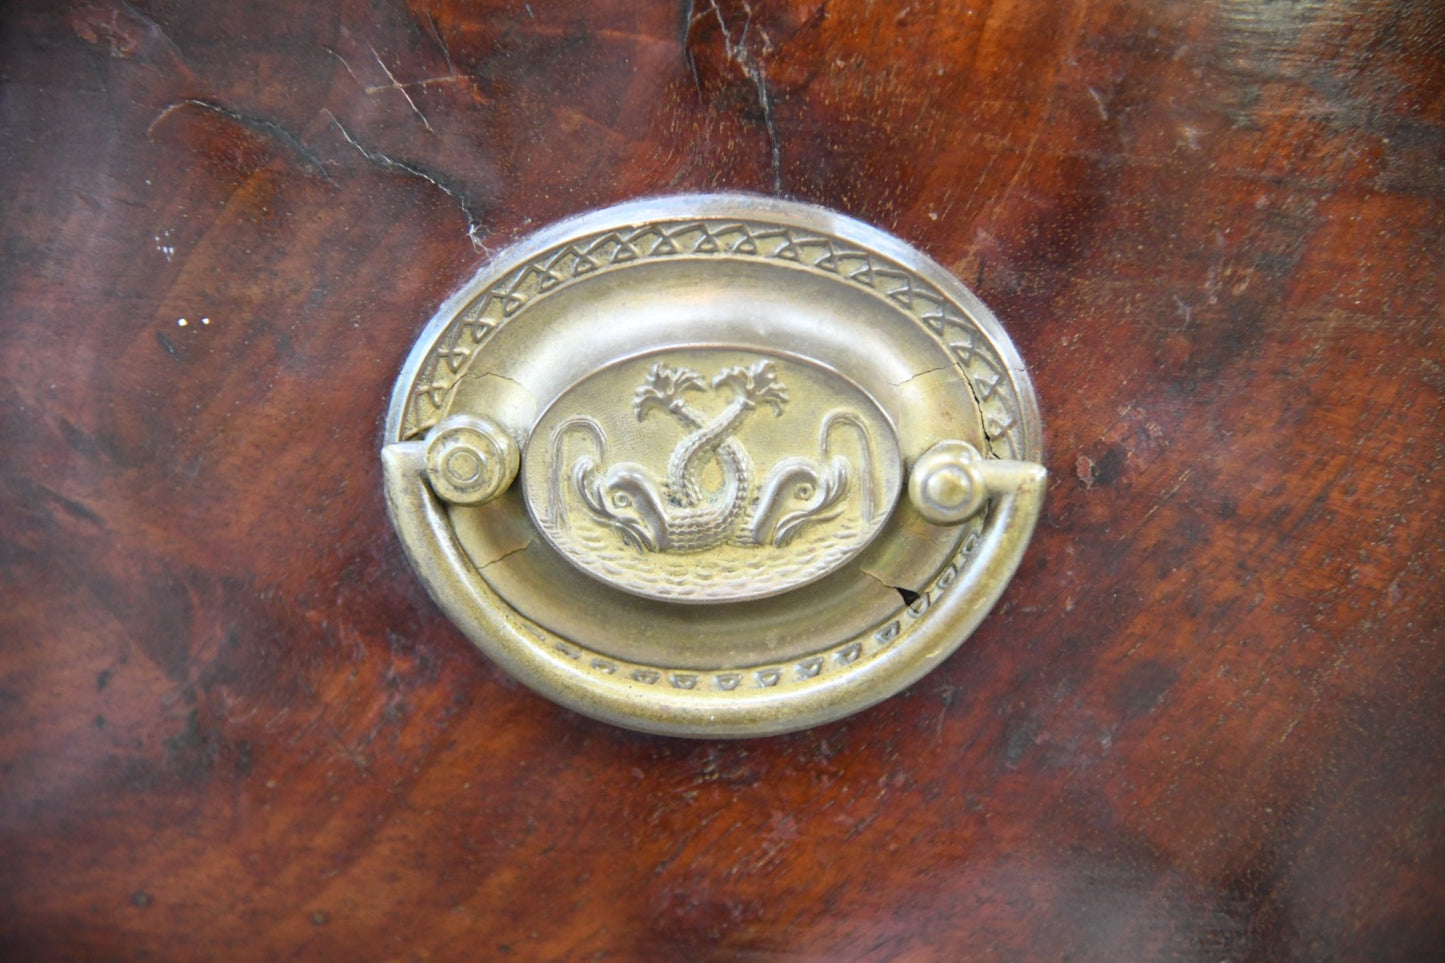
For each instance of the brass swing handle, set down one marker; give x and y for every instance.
(952, 478)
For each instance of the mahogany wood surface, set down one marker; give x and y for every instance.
(1207, 721)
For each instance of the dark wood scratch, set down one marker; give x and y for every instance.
(261, 124)
(474, 224)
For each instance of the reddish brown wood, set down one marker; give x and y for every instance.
(1206, 722)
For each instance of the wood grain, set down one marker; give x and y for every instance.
(1205, 723)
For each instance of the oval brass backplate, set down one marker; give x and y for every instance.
(714, 465)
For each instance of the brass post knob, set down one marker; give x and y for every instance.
(653, 461)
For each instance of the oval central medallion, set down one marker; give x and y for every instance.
(704, 474)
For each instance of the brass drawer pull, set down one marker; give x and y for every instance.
(714, 465)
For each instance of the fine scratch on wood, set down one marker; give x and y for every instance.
(423, 83)
(1098, 101)
(401, 89)
(739, 54)
(450, 77)
(767, 105)
(348, 751)
(436, 34)
(474, 226)
(1002, 202)
(345, 64)
(1161, 501)
(983, 175)
(253, 122)
(689, 20)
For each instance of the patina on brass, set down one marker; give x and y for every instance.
(714, 465)
(767, 473)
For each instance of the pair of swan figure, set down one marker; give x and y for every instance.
(680, 514)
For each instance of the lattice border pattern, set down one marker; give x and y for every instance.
(457, 344)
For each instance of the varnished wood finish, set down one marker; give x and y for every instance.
(1206, 722)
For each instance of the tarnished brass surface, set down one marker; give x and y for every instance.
(718, 401)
